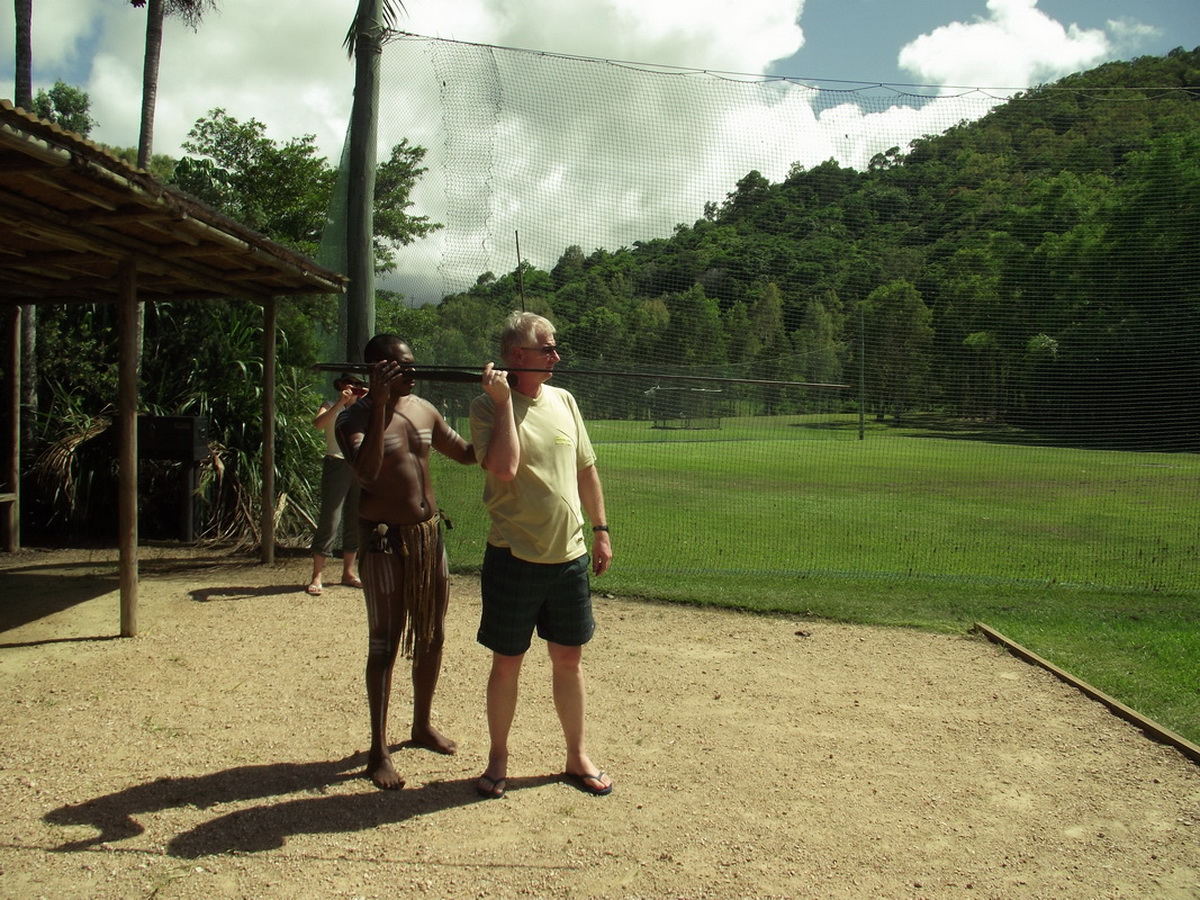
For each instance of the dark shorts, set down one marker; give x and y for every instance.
(519, 596)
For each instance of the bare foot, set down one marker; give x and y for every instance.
(384, 774)
(432, 739)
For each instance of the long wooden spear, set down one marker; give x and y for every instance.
(465, 374)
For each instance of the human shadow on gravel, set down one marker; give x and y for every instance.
(112, 815)
(263, 827)
(235, 592)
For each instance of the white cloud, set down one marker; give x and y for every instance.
(599, 155)
(548, 173)
(58, 29)
(1129, 34)
(1016, 46)
(730, 35)
(262, 60)
(255, 60)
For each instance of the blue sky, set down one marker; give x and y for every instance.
(861, 40)
(263, 59)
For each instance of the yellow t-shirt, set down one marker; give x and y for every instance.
(537, 515)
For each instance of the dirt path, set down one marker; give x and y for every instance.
(216, 755)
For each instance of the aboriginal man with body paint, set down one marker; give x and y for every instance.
(387, 437)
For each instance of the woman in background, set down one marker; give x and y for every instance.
(339, 491)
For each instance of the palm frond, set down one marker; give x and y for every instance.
(57, 469)
(364, 22)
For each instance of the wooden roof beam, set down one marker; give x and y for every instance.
(114, 245)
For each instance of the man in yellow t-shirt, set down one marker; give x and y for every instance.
(540, 480)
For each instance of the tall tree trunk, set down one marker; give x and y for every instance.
(360, 200)
(29, 375)
(154, 30)
(23, 82)
(155, 11)
(23, 97)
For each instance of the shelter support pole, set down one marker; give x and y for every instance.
(12, 508)
(268, 432)
(127, 452)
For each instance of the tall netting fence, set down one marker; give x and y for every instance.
(923, 335)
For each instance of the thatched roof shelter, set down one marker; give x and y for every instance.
(79, 225)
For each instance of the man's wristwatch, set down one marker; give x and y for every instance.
(596, 528)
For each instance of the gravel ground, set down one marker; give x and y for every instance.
(219, 754)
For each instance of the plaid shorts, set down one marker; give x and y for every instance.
(519, 596)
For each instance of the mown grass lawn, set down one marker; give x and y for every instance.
(1090, 558)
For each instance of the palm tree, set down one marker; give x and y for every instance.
(23, 82)
(191, 12)
(364, 43)
(372, 17)
(23, 97)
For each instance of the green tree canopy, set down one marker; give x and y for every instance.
(67, 106)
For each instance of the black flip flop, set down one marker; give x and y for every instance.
(583, 783)
(494, 789)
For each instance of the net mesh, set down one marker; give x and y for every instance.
(905, 453)
(600, 154)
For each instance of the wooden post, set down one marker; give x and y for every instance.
(12, 508)
(268, 434)
(127, 453)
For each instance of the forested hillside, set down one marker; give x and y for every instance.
(1039, 267)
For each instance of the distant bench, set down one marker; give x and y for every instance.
(685, 421)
